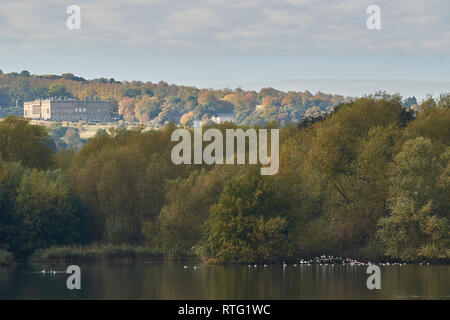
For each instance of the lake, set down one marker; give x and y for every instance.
(173, 281)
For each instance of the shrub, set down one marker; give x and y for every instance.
(6, 258)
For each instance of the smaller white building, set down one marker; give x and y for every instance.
(223, 117)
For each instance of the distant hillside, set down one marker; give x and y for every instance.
(159, 103)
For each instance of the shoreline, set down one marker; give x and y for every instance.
(127, 254)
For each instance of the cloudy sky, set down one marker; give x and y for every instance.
(290, 44)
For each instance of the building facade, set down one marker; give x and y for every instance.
(223, 117)
(58, 109)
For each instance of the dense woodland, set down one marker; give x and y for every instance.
(369, 180)
(156, 104)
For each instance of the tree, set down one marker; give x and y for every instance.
(188, 204)
(444, 101)
(418, 226)
(313, 113)
(432, 123)
(45, 213)
(29, 144)
(427, 103)
(72, 139)
(132, 92)
(206, 97)
(147, 108)
(57, 90)
(25, 73)
(127, 108)
(247, 223)
(6, 206)
(186, 118)
(171, 110)
(349, 150)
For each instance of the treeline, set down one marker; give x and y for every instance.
(157, 104)
(371, 180)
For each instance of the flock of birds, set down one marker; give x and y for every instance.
(43, 271)
(194, 267)
(321, 261)
(328, 261)
(332, 261)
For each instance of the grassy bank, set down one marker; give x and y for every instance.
(97, 253)
(6, 258)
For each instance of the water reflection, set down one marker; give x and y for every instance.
(173, 281)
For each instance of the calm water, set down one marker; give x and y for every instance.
(172, 281)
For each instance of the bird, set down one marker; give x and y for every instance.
(43, 271)
(185, 267)
(265, 265)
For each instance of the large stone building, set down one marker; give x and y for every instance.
(63, 109)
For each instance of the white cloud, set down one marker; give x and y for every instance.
(325, 26)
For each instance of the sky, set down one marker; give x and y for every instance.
(287, 44)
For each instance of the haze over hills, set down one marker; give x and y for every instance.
(160, 103)
(354, 88)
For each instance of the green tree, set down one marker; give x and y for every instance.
(188, 203)
(248, 222)
(45, 213)
(57, 90)
(29, 144)
(418, 225)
